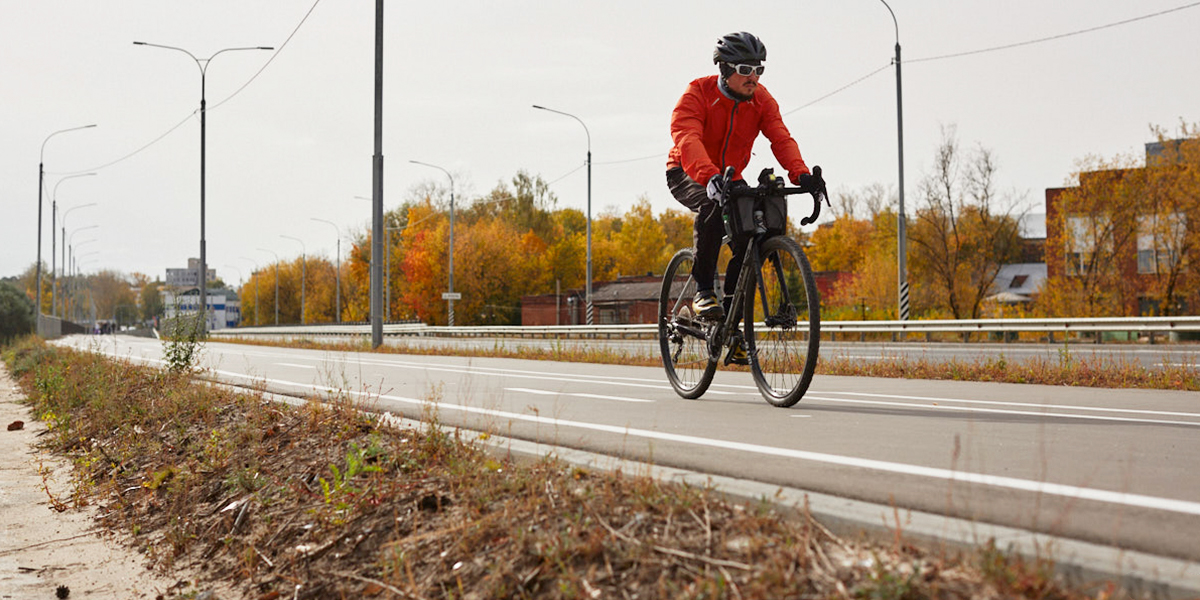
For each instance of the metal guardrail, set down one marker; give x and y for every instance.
(1148, 325)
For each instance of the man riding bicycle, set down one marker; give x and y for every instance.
(715, 124)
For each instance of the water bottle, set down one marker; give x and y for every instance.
(759, 225)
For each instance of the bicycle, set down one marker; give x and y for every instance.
(775, 298)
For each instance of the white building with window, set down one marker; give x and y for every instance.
(224, 307)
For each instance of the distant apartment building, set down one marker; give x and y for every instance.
(224, 306)
(181, 296)
(189, 277)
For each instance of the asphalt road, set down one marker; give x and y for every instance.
(1115, 467)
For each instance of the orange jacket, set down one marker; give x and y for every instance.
(711, 130)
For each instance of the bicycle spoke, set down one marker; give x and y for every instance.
(682, 336)
(783, 332)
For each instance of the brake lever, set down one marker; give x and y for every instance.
(818, 195)
(815, 213)
(726, 177)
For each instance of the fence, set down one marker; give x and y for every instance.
(1151, 326)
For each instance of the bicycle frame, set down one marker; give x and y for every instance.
(755, 220)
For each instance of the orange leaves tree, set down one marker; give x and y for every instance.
(509, 243)
(1126, 237)
(873, 281)
(1169, 224)
(961, 235)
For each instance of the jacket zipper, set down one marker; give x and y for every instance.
(728, 134)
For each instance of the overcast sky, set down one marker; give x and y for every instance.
(295, 143)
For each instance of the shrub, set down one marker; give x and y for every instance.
(16, 313)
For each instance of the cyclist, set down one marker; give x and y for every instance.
(715, 124)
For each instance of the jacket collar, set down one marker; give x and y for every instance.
(728, 93)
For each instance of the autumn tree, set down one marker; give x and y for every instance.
(677, 226)
(873, 282)
(1168, 243)
(839, 245)
(27, 284)
(960, 236)
(1126, 232)
(641, 242)
(150, 302)
(109, 290)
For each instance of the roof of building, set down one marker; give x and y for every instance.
(1017, 282)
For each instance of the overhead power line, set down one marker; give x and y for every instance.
(1055, 37)
(274, 55)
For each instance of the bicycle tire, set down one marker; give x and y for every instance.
(783, 348)
(682, 338)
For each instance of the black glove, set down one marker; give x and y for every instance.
(812, 182)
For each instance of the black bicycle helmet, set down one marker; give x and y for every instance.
(739, 48)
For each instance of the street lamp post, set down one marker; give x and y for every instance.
(63, 303)
(53, 241)
(303, 275)
(901, 234)
(588, 288)
(450, 282)
(37, 278)
(337, 318)
(276, 282)
(202, 64)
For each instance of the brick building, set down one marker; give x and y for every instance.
(1138, 260)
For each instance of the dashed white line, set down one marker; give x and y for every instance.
(577, 395)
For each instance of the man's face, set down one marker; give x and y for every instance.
(743, 84)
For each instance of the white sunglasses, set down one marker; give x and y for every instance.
(747, 70)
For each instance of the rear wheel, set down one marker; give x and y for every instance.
(682, 337)
(783, 322)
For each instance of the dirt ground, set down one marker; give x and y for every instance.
(41, 548)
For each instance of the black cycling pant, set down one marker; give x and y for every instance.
(707, 231)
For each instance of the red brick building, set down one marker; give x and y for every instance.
(1138, 254)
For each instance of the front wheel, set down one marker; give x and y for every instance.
(682, 337)
(783, 322)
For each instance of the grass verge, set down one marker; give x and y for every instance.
(1064, 369)
(322, 501)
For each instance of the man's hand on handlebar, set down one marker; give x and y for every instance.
(812, 182)
(718, 188)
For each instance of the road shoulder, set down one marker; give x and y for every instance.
(41, 548)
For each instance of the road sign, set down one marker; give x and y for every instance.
(451, 296)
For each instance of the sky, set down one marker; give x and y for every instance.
(290, 131)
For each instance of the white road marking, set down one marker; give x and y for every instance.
(1027, 485)
(1024, 404)
(577, 395)
(296, 366)
(999, 411)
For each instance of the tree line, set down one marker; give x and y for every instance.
(1123, 240)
